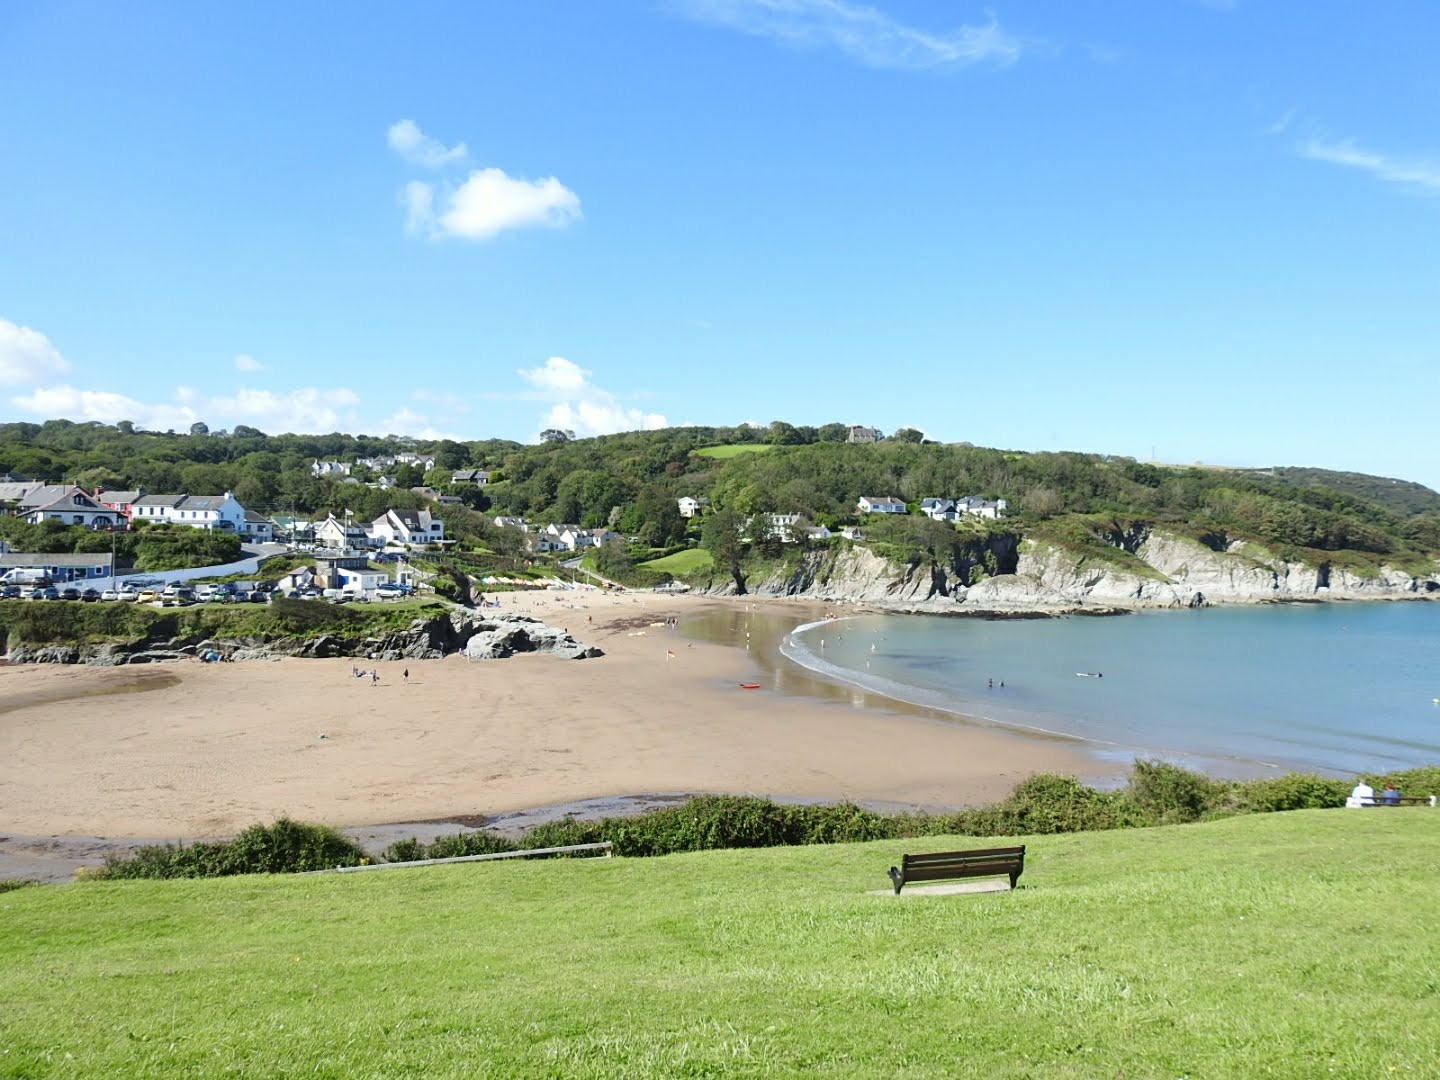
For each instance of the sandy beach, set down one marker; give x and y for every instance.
(192, 750)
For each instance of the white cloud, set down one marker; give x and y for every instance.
(446, 400)
(412, 144)
(304, 410)
(26, 356)
(579, 405)
(862, 33)
(244, 362)
(489, 202)
(109, 408)
(405, 421)
(1423, 176)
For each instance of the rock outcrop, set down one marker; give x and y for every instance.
(480, 637)
(1152, 569)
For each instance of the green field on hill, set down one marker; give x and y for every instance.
(733, 450)
(1290, 945)
(680, 563)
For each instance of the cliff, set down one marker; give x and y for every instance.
(1146, 569)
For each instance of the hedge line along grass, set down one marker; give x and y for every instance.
(1288, 946)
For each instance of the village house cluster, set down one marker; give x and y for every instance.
(789, 529)
(544, 538)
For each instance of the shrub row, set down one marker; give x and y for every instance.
(1157, 793)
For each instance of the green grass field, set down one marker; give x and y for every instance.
(1291, 945)
(733, 450)
(680, 563)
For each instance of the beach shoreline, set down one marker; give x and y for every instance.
(196, 751)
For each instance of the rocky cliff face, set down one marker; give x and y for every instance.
(481, 638)
(1168, 571)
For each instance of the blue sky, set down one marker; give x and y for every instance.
(1200, 230)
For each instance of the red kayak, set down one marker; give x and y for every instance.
(749, 686)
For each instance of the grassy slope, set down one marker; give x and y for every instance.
(1232, 949)
(681, 563)
(734, 450)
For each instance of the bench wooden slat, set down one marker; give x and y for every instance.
(942, 865)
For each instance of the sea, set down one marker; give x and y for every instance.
(1335, 688)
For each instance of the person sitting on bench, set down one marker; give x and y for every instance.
(1390, 796)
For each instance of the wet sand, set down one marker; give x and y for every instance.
(190, 750)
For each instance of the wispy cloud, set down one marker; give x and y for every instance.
(309, 409)
(864, 34)
(1418, 175)
(26, 355)
(578, 405)
(245, 362)
(412, 144)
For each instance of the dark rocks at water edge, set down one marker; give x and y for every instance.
(478, 637)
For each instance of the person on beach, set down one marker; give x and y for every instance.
(374, 677)
(405, 674)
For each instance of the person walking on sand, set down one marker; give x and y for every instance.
(374, 677)
(405, 675)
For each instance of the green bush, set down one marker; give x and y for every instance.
(286, 847)
(1053, 804)
(11, 884)
(1169, 794)
(1293, 791)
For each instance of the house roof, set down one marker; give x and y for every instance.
(118, 497)
(44, 494)
(73, 501)
(257, 518)
(882, 499)
(159, 500)
(23, 560)
(14, 491)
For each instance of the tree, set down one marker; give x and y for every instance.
(199, 428)
(909, 435)
(450, 455)
(833, 433)
(557, 435)
(720, 536)
(125, 427)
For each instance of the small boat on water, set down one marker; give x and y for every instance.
(749, 686)
(1089, 674)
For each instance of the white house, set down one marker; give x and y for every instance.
(218, 512)
(74, 508)
(333, 469)
(986, 508)
(60, 566)
(407, 527)
(882, 504)
(479, 477)
(513, 523)
(423, 462)
(341, 535)
(542, 542)
(689, 507)
(852, 532)
(857, 433)
(361, 579)
(574, 538)
(258, 527)
(817, 532)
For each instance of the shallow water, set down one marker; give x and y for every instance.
(1338, 688)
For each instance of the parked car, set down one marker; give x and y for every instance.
(9, 592)
(147, 596)
(257, 597)
(45, 592)
(90, 595)
(69, 592)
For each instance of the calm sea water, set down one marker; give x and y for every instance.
(1337, 688)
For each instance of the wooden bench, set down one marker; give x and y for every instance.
(943, 865)
(1402, 800)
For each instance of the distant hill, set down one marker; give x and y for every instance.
(1397, 496)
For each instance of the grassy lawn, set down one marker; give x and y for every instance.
(1280, 945)
(733, 450)
(680, 563)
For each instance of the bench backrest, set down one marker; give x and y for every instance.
(937, 865)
